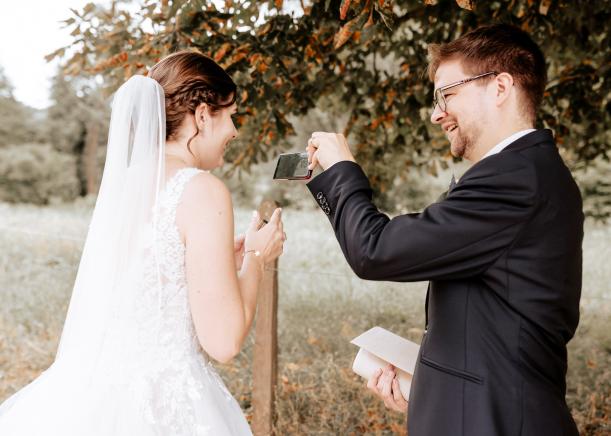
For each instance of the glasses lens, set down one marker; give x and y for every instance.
(439, 100)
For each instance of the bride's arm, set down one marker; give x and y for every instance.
(222, 302)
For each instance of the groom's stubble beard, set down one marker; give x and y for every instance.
(465, 141)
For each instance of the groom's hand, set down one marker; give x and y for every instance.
(327, 149)
(385, 385)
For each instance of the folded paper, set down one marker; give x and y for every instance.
(378, 348)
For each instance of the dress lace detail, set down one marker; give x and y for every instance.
(173, 374)
(151, 377)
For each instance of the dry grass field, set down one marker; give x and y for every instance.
(322, 306)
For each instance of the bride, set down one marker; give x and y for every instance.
(161, 284)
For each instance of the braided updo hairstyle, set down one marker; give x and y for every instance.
(189, 79)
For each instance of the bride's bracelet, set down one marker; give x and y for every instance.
(256, 252)
(260, 262)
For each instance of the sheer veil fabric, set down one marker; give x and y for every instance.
(132, 181)
(104, 362)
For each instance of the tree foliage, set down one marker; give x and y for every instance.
(64, 124)
(6, 87)
(76, 123)
(75, 106)
(44, 154)
(368, 55)
(18, 121)
(37, 173)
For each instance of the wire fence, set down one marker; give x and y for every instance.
(345, 275)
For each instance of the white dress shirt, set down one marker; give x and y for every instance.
(505, 142)
(498, 148)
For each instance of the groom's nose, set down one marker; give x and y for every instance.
(438, 115)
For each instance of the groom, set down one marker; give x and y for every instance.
(502, 251)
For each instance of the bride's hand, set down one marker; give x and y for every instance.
(269, 239)
(385, 385)
(238, 250)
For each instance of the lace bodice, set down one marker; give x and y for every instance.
(171, 247)
(173, 368)
(150, 376)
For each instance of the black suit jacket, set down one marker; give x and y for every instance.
(503, 255)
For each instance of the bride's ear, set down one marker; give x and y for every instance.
(202, 115)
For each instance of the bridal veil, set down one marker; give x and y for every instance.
(120, 234)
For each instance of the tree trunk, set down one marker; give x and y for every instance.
(90, 157)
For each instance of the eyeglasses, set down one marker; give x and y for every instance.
(439, 96)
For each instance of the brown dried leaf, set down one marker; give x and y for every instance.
(397, 428)
(390, 97)
(370, 21)
(262, 67)
(235, 59)
(544, 6)
(57, 53)
(348, 29)
(343, 9)
(309, 51)
(254, 58)
(465, 4)
(221, 52)
(343, 35)
(265, 29)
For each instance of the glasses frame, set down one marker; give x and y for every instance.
(440, 99)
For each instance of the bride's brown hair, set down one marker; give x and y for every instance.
(189, 79)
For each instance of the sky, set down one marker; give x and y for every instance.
(29, 31)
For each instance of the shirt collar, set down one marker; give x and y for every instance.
(505, 142)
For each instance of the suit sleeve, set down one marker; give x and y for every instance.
(455, 238)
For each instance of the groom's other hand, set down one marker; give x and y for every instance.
(327, 149)
(385, 385)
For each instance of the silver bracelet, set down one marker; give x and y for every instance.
(256, 252)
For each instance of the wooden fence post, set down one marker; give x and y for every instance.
(265, 359)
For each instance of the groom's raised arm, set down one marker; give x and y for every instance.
(455, 238)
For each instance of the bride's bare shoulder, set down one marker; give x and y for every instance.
(205, 200)
(205, 191)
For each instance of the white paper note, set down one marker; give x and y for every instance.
(378, 348)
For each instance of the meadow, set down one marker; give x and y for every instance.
(322, 305)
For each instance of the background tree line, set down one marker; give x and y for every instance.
(359, 63)
(56, 153)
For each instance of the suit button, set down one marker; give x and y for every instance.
(326, 210)
(319, 195)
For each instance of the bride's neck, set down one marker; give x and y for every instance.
(174, 153)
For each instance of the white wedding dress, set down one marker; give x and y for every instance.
(151, 380)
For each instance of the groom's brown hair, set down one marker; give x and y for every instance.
(500, 48)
